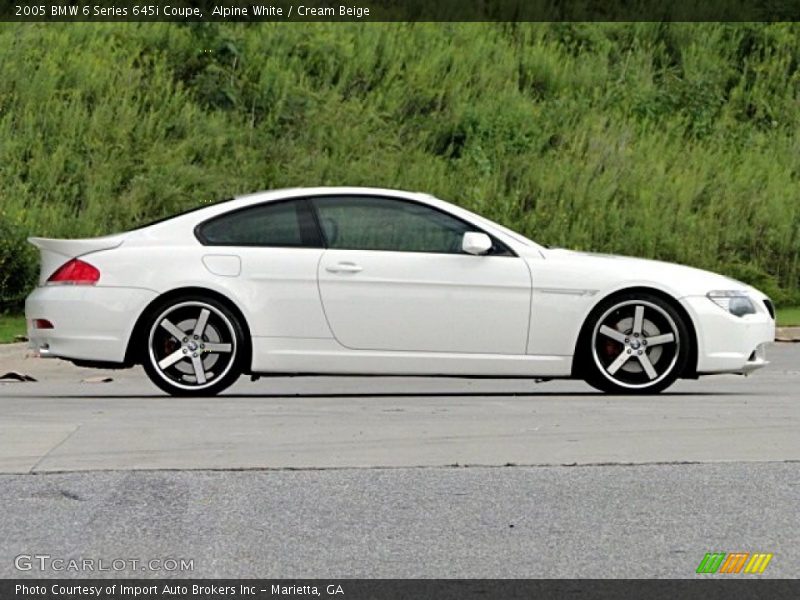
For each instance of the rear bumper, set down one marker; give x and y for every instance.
(90, 323)
(727, 343)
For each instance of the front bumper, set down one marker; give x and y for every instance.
(90, 323)
(727, 343)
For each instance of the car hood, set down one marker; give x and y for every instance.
(603, 271)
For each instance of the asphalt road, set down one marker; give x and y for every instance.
(526, 522)
(118, 470)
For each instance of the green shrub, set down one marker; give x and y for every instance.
(672, 141)
(17, 264)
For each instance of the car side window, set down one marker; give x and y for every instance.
(377, 223)
(274, 224)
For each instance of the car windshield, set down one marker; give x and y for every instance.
(517, 236)
(509, 232)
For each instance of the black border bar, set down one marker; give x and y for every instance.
(707, 588)
(398, 10)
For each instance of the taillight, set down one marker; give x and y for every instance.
(75, 272)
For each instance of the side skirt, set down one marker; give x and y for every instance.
(327, 357)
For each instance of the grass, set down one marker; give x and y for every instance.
(788, 317)
(10, 327)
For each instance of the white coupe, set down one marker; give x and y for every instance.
(352, 281)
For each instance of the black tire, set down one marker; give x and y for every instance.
(184, 354)
(616, 358)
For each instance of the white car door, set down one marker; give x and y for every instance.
(394, 278)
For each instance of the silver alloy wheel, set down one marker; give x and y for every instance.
(635, 344)
(192, 345)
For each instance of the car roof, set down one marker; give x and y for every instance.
(208, 210)
(180, 225)
(218, 208)
(326, 190)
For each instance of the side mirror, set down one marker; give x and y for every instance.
(476, 243)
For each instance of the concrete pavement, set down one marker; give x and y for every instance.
(60, 424)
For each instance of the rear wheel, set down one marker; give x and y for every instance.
(634, 344)
(194, 347)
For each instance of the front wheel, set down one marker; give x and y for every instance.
(194, 347)
(636, 343)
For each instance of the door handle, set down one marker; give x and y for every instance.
(344, 267)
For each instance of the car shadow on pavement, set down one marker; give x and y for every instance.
(398, 395)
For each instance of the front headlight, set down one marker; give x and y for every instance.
(735, 302)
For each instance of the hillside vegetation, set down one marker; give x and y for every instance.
(678, 142)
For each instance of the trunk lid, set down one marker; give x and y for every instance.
(55, 252)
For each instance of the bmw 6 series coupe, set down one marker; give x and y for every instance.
(368, 281)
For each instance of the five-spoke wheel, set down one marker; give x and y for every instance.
(193, 347)
(638, 344)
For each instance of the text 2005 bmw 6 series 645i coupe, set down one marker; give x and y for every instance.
(373, 281)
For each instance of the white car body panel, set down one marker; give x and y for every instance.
(280, 286)
(55, 253)
(725, 341)
(417, 302)
(398, 313)
(92, 323)
(294, 355)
